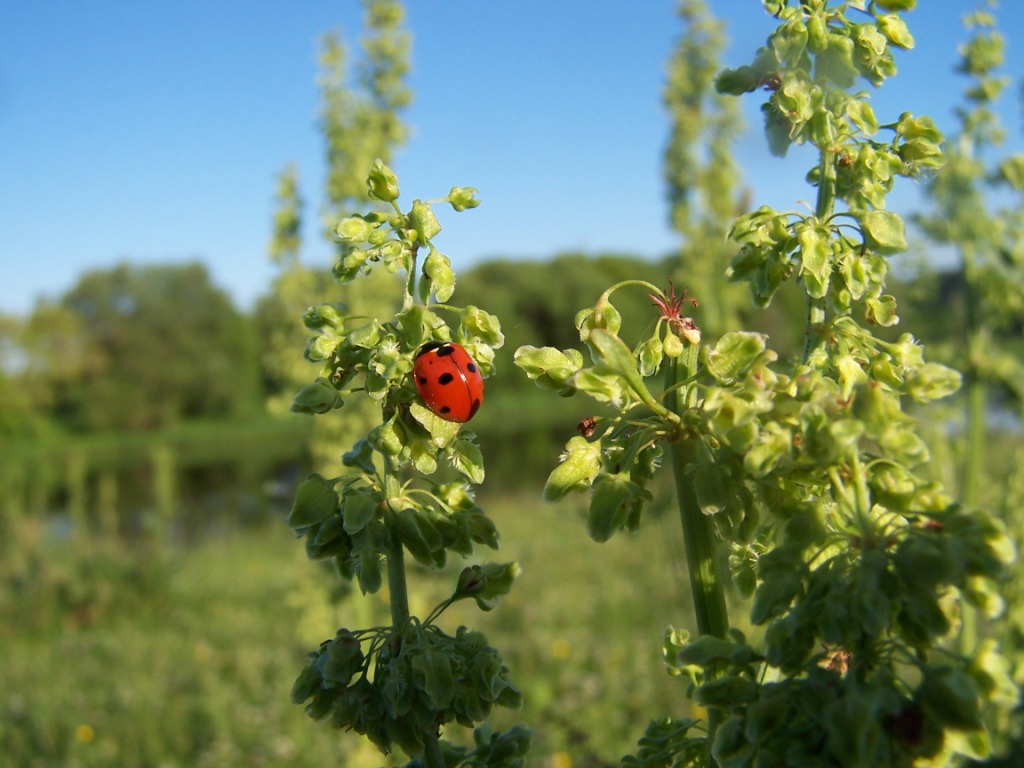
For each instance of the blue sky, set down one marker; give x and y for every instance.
(153, 131)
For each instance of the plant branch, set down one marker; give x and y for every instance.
(822, 211)
(698, 529)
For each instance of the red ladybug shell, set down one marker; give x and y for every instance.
(448, 380)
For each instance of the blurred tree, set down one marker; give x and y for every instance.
(362, 123)
(279, 313)
(989, 240)
(153, 345)
(699, 171)
(984, 297)
(16, 400)
(360, 120)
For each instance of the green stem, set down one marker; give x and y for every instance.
(698, 530)
(822, 211)
(432, 755)
(397, 588)
(974, 450)
(399, 597)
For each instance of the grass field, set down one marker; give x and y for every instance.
(179, 657)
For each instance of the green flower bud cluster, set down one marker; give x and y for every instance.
(421, 678)
(619, 461)
(392, 238)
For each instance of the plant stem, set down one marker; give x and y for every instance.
(698, 529)
(974, 449)
(399, 597)
(432, 755)
(822, 210)
(397, 588)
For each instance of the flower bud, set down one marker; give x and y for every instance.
(382, 183)
(462, 198)
(354, 229)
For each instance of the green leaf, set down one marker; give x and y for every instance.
(550, 368)
(611, 505)
(613, 352)
(360, 456)
(354, 229)
(486, 583)
(601, 384)
(882, 311)
(836, 61)
(475, 323)
(580, 464)
(773, 596)
(442, 432)
(912, 128)
(461, 198)
(734, 354)
(307, 683)
(466, 457)
(895, 31)
(854, 732)
(341, 659)
(992, 672)
(651, 354)
(862, 115)
(727, 692)
(708, 649)
(949, 695)
(419, 536)
(358, 508)
(318, 397)
(387, 438)
(897, 5)
(368, 572)
(932, 381)
(815, 264)
(440, 278)
(884, 232)
(315, 501)
(789, 42)
(433, 673)
(738, 81)
(382, 184)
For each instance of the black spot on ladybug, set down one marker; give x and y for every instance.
(446, 351)
(471, 367)
(445, 378)
(445, 410)
(422, 379)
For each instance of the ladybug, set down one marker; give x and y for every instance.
(448, 380)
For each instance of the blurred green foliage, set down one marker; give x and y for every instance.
(113, 656)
